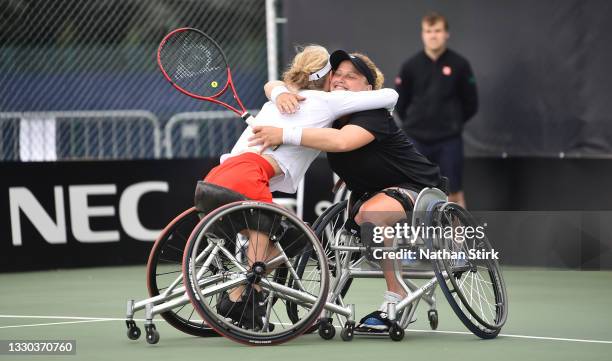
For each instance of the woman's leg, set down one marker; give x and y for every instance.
(382, 211)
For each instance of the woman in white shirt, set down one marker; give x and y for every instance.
(254, 175)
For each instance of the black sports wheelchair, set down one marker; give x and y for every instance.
(202, 255)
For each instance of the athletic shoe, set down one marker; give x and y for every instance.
(249, 312)
(375, 322)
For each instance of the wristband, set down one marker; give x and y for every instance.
(292, 136)
(276, 91)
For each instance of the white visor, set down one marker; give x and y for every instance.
(321, 73)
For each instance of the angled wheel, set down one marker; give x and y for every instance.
(474, 287)
(164, 270)
(247, 302)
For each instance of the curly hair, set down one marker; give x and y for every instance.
(380, 78)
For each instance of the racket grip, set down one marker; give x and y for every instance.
(248, 118)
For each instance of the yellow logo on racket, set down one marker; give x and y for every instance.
(214, 84)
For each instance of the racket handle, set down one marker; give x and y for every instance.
(248, 118)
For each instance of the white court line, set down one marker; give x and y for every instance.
(100, 319)
(52, 323)
(60, 317)
(70, 317)
(519, 336)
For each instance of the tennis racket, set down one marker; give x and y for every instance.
(196, 66)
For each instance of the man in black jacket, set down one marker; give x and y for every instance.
(437, 96)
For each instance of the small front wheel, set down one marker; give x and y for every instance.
(432, 315)
(396, 332)
(347, 332)
(133, 333)
(327, 331)
(152, 334)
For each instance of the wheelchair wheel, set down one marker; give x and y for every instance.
(258, 316)
(164, 268)
(474, 287)
(326, 228)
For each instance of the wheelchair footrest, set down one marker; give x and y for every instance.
(371, 334)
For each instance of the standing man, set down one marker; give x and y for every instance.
(437, 96)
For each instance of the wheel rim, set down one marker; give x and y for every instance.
(165, 267)
(476, 286)
(215, 239)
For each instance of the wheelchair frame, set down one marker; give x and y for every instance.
(175, 295)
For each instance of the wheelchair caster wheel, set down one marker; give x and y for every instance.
(327, 331)
(133, 332)
(396, 333)
(432, 315)
(152, 334)
(347, 332)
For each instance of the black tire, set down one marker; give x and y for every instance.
(152, 335)
(396, 333)
(348, 332)
(485, 321)
(133, 333)
(165, 265)
(214, 238)
(325, 228)
(327, 331)
(432, 316)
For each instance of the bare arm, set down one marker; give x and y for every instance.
(348, 138)
(270, 85)
(287, 103)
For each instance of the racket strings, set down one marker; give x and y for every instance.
(194, 63)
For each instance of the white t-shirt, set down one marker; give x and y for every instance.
(319, 110)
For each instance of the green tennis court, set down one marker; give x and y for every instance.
(553, 315)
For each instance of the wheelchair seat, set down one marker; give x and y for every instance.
(209, 197)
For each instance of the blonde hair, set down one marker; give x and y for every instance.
(380, 78)
(311, 59)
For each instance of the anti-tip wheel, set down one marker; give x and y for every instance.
(327, 331)
(347, 332)
(152, 334)
(432, 315)
(133, 333)
(396, 333)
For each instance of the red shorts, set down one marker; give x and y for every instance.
(247, 174)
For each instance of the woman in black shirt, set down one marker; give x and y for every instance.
(371, 155)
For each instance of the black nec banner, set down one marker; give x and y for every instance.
(76, 214)
(73, 214)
